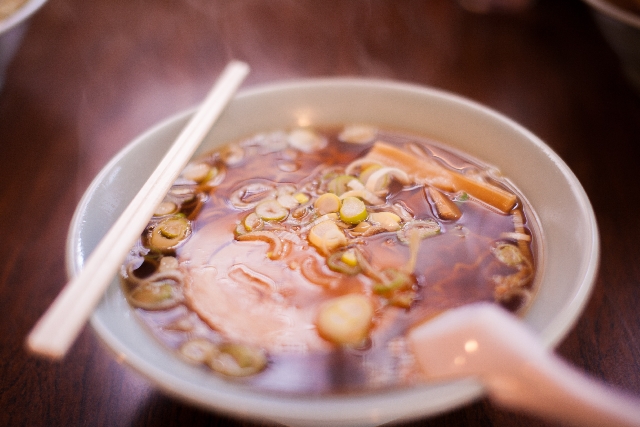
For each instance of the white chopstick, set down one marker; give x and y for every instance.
(58, 328)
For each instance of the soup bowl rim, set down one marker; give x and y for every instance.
(615, 12)
(367, 408)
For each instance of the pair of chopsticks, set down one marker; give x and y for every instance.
(58, 328)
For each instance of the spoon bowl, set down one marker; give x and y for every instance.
(484, 341)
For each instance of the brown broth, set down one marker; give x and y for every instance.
(453, 268)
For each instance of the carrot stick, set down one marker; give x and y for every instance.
(420, 168)
(430, 171)
(490, 194)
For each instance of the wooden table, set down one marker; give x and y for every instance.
(91, 75)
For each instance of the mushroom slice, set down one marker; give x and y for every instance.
(159, 292)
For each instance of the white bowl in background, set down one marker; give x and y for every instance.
(569, 250)
(621, 29)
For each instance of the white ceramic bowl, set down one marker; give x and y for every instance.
(12, 29)
(569, 251)
(621, 29)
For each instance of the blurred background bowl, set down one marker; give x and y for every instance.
(619, 22)
(14, 20)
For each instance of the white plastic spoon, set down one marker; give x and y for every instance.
(484, 341)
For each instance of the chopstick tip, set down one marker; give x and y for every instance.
(43, 348)
(239, 66)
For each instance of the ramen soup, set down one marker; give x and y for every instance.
(297, 261)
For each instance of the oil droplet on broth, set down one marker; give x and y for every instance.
(288, 165)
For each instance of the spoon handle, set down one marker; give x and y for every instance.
(548, 386)
(517, 372)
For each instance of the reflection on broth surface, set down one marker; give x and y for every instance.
(296, 261)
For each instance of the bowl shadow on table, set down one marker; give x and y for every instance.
(161, 410)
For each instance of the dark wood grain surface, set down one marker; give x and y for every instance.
(91, 75)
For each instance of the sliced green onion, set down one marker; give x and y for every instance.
(271, 210)
(349, 257)
(198, 172)
(165, 208)
(394, 280)
(253, 222)
(327, 203)
(287, 201)
(353, 210)
(154, 295)
(232, 155)
(403, 299)
(169, 233)
(301, 198)
(327, 236)
(367, 171)
(346, 320)
(379, 180)
(198, 350)
(361, 228)
(339, 184)
(508, 254)
(461, 197)
(340, 263)
(237, 360)
(168, 263)
(387, 220)
(425, 228)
